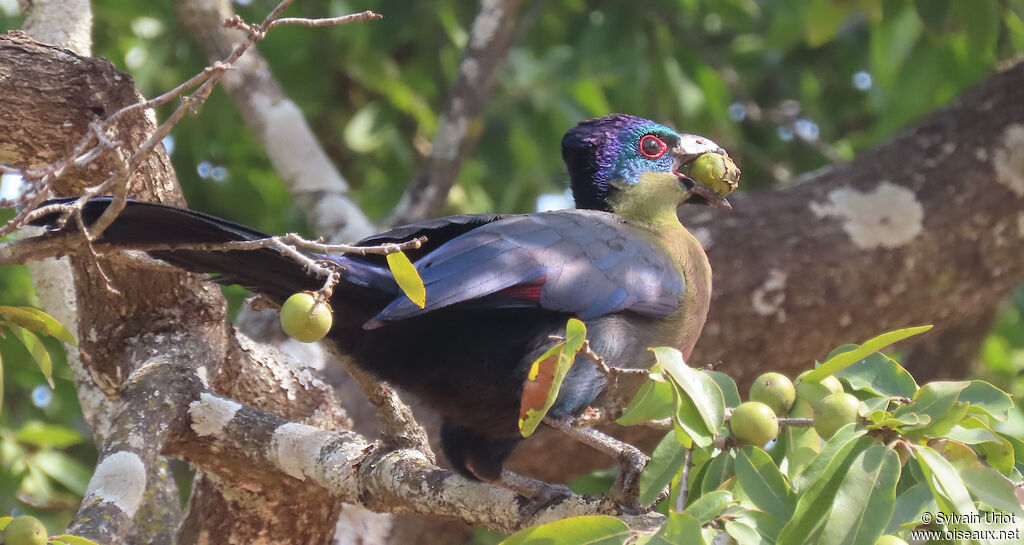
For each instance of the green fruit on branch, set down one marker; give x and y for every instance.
(25, 530)
(305, 318)
(716, 172)
(834, 412)
(774, 390)
(754, 423)
(814, 392)
(801, 409)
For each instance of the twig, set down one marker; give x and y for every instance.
(797, 422)
(326, 21)
(684, 481)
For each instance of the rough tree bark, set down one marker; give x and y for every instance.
(925, 228)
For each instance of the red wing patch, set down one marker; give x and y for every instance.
(529, 291)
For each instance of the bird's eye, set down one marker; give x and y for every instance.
(652, 147)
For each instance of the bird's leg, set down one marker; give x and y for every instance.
(540, 493)
(626, 489)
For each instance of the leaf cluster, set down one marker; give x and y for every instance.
(915, 449)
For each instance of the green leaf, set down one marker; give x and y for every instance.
(941, 425)
(947, 487)
(882, 419)
(544, 381)
(4, 521)
(38, 321)
(63, 469)
(991, 487)
(38, 351)
(408, 278)
(987, 399)
(837, 446)
(766, 525)
(730, 392)
(712, 474)
(679, 529)
(45, 435)
(707, 397)
(997, 449)
(866, 495)
(72, 539)
(801, 445)
(666, 461)
(842, 361)
(744, 534)
(815, 505)
(764, 483)
(880, 375)
(1, 384)
(910, 504)
(708, 506)
(590, 530)
(686, 419)
(971, 433)
(652, 402)
(933, 400)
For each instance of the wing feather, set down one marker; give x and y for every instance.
(588, 263)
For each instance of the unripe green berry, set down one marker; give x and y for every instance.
(305, 319)
(814, 392)
(774, 390)
(754, 423)
(25, 530)
(834, 412)
(716, 172)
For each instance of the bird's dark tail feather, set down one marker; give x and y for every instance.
(145, 223)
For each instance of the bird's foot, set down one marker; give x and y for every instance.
(539, 493)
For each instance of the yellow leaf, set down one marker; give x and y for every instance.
(408, 278)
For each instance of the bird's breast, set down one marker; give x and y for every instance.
(683, 327)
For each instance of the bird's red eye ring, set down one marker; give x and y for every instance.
(652, 147)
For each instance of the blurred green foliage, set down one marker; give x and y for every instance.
(786, 85)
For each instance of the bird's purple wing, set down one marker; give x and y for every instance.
(585, 263)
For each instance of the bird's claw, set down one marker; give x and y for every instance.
(551, 494)
(626, 489)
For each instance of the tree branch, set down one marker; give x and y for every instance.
(236, 439)
(458, 128)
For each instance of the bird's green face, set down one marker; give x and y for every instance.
(621, 162)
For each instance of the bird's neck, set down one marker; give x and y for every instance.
(652, 201)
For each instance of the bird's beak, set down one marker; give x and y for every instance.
(704, 195)
(690, 147)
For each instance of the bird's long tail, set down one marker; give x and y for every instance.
(145, 223)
